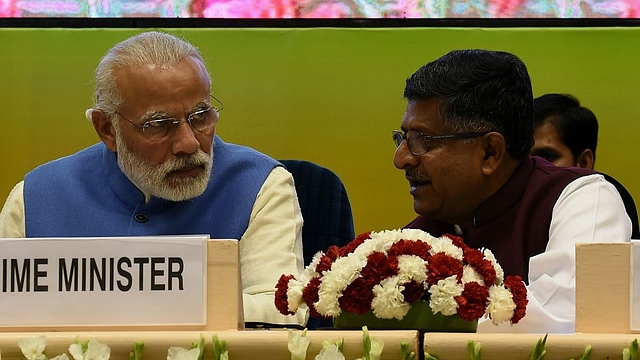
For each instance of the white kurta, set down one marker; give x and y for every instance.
(589, 210)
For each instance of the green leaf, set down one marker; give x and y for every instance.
(631, 353)
(404, 352)
(587, 353)
(428, 356)
(136, 353)
(219, 348)
(372, 347)
(366, 340)
(539, 351)
(199, 345)
(83, 344)
(474, 350)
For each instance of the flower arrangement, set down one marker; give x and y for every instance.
(385, 272)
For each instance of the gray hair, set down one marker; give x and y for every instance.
(146, 48)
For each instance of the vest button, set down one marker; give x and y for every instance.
(141, 218)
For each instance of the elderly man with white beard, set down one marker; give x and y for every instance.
(160, 169)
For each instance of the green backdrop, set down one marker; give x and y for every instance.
(329, 95)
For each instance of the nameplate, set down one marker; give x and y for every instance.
(114, 281)
(635, 286)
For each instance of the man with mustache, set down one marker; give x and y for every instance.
(161, 170)
(464, 147)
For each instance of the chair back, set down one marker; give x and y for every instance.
(629, 205)
(326, 211)
(325, 207)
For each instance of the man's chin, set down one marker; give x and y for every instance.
(179, 196)
(421, 208)
(181, 190)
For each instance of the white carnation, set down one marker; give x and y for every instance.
(499, 272)
(417, 234)
(501, 305)
(411, 267)
(388, 301)
(383, 240)
(294, 294)
(445, 245)
(469, 274)
(310, 271)
(443, 295)
(343, 272)
(295, 287)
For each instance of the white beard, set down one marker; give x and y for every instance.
(154, 180)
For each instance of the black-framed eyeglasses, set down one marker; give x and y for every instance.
(418, 142)
(201, 120)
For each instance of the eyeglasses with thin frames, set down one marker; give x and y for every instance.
(199, 120)
(418, 142)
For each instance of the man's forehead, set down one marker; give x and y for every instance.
(422, 114)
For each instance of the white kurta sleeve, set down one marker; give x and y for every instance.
(271, 246)
(12, 223)
(588, 210)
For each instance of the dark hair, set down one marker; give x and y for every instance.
(576, 125)
(480, 90)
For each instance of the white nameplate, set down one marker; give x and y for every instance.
(635, 286)
(103, 281)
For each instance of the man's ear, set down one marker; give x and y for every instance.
(586, 159)
(495, 150)
(104, 127)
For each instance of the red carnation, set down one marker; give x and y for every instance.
(484, 267)
(379, 267)
(357, 297)
(328, 258)
(441, 266)
(281, 294)
(409, 247)
(473, 301)
(351, 246)
(457, 241)
(519, 291)
(333, 252)
(413, 291)
(472, 256)
(310, 296)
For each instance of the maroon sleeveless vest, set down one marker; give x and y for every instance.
(514, 222)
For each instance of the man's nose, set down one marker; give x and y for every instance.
(403, 157)
(184, 139)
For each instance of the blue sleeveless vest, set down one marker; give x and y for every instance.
(86, 194)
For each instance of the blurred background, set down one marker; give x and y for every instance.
(322, 8)
(331, 95)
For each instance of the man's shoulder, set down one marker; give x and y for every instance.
(83, 156)
(545, 182)
(547, 168)
(240, 152)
